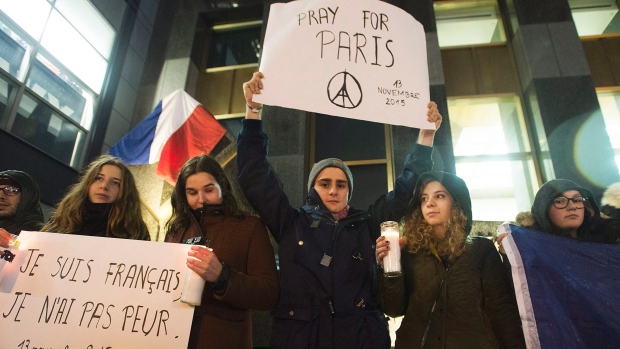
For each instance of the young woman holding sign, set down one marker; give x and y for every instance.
(452, 290)
(239, 263)
(104, 202)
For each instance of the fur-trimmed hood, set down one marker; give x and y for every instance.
(610, 203)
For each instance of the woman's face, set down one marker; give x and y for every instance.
(569, 218)
(202, 188)
(106, 186)
(436, 205)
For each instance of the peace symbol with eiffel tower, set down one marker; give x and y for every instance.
(344, 91)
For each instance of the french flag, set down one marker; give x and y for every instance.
(567, 290)
(176, 130)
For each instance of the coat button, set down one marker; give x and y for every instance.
(301, 242)
(291, 313)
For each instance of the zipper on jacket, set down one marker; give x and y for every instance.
(331, 308)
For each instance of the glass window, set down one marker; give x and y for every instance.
(6, 88)
(62, 47)
(610, 107)
(65, 94)
(466, 23)
(235, 44)
(30, 15)
(67, 45)
(89, 22)
(41, 126)
(595, 17)
(493, 155)
(13, 52)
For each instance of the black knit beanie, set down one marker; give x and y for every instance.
(455, 185)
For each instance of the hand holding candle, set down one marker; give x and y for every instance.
(388, 249)
(194, 282)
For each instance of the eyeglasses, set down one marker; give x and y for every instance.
(562, 202)
(10, 190)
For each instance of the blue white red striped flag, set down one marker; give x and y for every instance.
(568, 291)
(176, 130)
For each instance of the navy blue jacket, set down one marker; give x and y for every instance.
(323, 306)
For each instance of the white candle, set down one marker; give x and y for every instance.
(193, 287)
(391, 262)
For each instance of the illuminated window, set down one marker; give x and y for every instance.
(610, 107)
(58, 49)
(595, 17)
(466, 23)
(493, 155)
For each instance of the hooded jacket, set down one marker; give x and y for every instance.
(544, 199)
(29, 215)
(472, 305)
(327, 266)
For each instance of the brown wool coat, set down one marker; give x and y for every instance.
(243, 244)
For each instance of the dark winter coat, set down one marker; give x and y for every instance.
(323, 303)
(223, 320)
(29, 216)
(472, 305)
(474, 309)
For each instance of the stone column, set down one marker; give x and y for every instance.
(559, 94)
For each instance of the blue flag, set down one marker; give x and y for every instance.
(568, 291)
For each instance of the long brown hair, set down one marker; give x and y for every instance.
(419, 234)
(181, 210)
(125, 219)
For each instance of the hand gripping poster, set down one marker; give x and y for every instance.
(361, 59)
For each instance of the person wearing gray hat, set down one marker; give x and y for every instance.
(451, 290)
(326, 247)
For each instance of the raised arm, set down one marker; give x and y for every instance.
(393, 205)
(251, 88)
(256, 178)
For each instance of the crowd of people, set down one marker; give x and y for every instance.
(330, 290)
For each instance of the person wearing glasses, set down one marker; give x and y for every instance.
(564, 208)
(20, 208)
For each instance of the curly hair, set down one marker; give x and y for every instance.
(125, 219)
(419, 234)
(181, 210)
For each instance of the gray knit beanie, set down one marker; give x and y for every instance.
(330, 162)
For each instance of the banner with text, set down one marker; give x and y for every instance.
(70, 291)
(363, 59)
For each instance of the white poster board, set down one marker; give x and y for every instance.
(360, 59)
(69, 291)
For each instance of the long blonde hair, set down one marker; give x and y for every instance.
(419, 234)
(125, 220)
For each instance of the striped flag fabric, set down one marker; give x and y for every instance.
(176, 130)
(568, 291)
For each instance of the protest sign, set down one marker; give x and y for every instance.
(363, 59)
(567, 290)
(70, 291)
